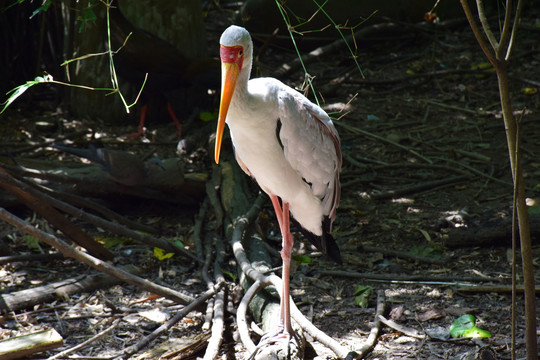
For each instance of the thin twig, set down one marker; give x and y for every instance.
(84, 344)
(485, 25)
(514, 29)
(195, 304)
(402, 329)
(505, 32)
(477, 33)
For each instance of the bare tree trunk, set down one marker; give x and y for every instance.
(499, 55)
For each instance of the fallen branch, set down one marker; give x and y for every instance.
(27, 298)
(69, 251)
(87, 203)
(418, 279)
(39, 203)
(23, 346)
(194, 305)
(116, 228)
(501, 289)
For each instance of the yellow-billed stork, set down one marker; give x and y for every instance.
(288, 144)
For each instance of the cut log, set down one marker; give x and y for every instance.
(22, 346)
(29, 297)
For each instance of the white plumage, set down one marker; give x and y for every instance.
(284, 141)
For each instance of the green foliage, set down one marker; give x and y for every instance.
(161, 254)
(229, 274)
(362, 294)
(533, 210)
(178, 243)
(302, 259)
(207, 116)
(32, 243)
(87, 16)
(465, 326)
(112, 241)
(14, 93)
(19, 90)
(425, 251)
(44, 7)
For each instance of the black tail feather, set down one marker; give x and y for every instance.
(325, 243)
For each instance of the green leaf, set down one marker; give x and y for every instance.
(208, 116)
(19, 90)
(87, 15)
(42, 8)
(302, 259)
(465, 326)
(33, 243)
(425, 251)
(229, 274)
(476, 332)
(178, 243)
(533, 210)
(112, 241)
(362, 293)
(161, 255)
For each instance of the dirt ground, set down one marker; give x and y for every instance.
(424, 152)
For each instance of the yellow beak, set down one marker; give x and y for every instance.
(229, 75)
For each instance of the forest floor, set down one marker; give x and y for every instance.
(424, 153)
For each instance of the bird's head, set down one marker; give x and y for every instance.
(235, 52)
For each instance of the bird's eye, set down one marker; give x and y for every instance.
(241, 52)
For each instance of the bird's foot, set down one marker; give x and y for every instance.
(137, 134)
(134, 135)
(278, 345)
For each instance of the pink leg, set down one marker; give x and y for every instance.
(286, 251)
(142, 119)
(175, 120)
(279, 212)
